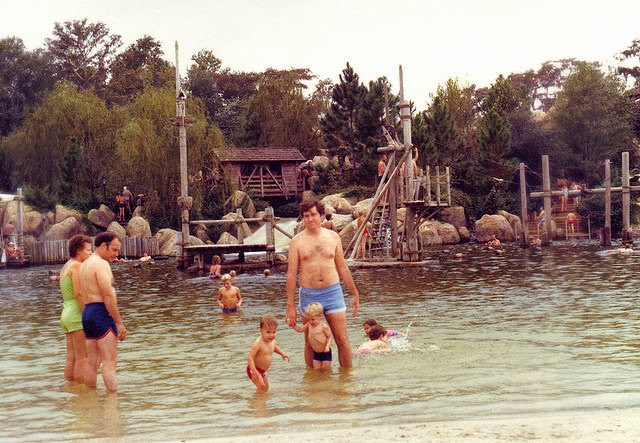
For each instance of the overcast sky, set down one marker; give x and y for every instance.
(472, 40)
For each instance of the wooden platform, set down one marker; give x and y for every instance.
(356, 264)
(205, 253)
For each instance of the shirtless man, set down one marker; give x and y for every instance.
(101, 319)
(382, 165)
(318, 254)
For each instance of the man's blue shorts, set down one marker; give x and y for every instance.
(97, 322)
(331, 298)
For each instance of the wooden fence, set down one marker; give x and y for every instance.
(57, 251)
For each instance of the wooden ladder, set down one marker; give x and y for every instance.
(380, 235)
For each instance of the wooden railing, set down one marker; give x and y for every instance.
(57, 251)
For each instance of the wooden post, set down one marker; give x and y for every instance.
(438, 184)
(239, 221)
(448, 186)
(546, 189)
(405, 116)
(626, 210)
(606, 234)
(270, 233)
(20, 221)
(524, 213)
(428, 199)
(393, 206)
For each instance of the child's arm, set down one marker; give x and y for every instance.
(220, 298)
(238, 298)
(302, 328)
(252, 365)
(327, 333)
(278, 351)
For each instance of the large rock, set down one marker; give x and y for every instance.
(117, 229)
(236, 228)
(33, 223)
(340, 221)
(139, 227)
(65, 229)
(428, 233)
(339, 203)
(514, 221)
(202, 233)
(101, 217)
(308, 195)
(347, 233)
(447, 232)
(3, 208)
(496, 225)
(63, 213)
(11, 212)
(320, 162)
(362, 205)
(464, 234)
(240, 199)
(454, 215)
(167, 239)
(227, 239)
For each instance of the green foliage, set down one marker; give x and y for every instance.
(289, 210)
(69, 162)
(358, 191)
(40, 198)
(592, 206)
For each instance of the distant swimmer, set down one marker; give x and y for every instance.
(261, 354)
(368, 324)
(626, 248)
(377, 343)
(229, 298)
(494, 241)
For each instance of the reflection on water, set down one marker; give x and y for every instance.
(523, 333)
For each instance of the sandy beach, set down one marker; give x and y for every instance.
(618, 426)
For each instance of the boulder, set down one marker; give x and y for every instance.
(308, 195)
(320, 162)
(280, 258)
(137, 212)
(240, 199)
(202, 233)
(166, 235)
(235, 228)
(328, 209)
(454, 215)
(428, 234)
(63, 213)
(139, 227)
(335, 161)
(65, 229)
(496, 225)
(34, 223)
(347, 233)
(339, 203)
(11, 212)
(51, 217)
(101, 217)
(362, 205)
(117, 229)
(447, 232)
(227, 239)
(514, 221)
(464, 234)
(3, 208)
(340, 221)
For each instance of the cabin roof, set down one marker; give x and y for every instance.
(253, 155)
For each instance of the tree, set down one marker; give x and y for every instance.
(339, 124)
(593, 120)
(632, 52)
(25, 77)
(82, 52)
(140, 66)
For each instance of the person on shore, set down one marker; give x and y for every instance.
(13, 252)
(571, 223)
(71, 317)
(368, 324)
(229, 298)
(382, 166)
(362, 248)
(128, 198)
(101, 320)
(216, 267)
(318, 255)
(318, 334)
(120, 203)
(377, 342)
(540, 217)
(261, 354)
(328, 222)
(564, 198)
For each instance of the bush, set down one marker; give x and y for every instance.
(289, 210)
(40, 198)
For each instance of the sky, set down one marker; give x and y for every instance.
(471, 40)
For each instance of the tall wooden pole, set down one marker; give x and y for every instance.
(546, 189)
(626, 201)
(20, 221)
(606, 234)
(524, 213)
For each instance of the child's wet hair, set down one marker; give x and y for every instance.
(376, 332)
(370, 322)
(226, 277)
(313, 309)
(268, 321)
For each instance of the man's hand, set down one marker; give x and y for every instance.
(355, 304)
(291, 316)
(122, 331)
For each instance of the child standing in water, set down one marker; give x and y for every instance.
(229, 298)
(377, 343)
(214, 270)
(261, 354)
(318, 335)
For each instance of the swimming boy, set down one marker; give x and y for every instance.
(229, 298)
(377, 343)
(318, 335)
(261, 353)
(371, 322)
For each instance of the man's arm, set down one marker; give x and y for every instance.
(220, 298)
(345, 275)
(292, 274)
(104, 277)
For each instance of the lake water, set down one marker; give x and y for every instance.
(529, 332)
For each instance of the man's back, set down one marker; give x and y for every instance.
(88, 276)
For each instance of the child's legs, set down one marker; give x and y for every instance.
(262, 383)
(317, 364)
(325, 365)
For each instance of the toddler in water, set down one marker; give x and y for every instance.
(371, 322)
(318, 335)
(229, 298)
(261, 353)
(378, 343)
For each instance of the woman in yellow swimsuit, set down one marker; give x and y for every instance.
(71, 318)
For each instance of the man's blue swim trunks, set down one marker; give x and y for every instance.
(97, 322)
(229, 310)
(322, 356)
(331, 298)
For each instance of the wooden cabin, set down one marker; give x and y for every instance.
(266, 172)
